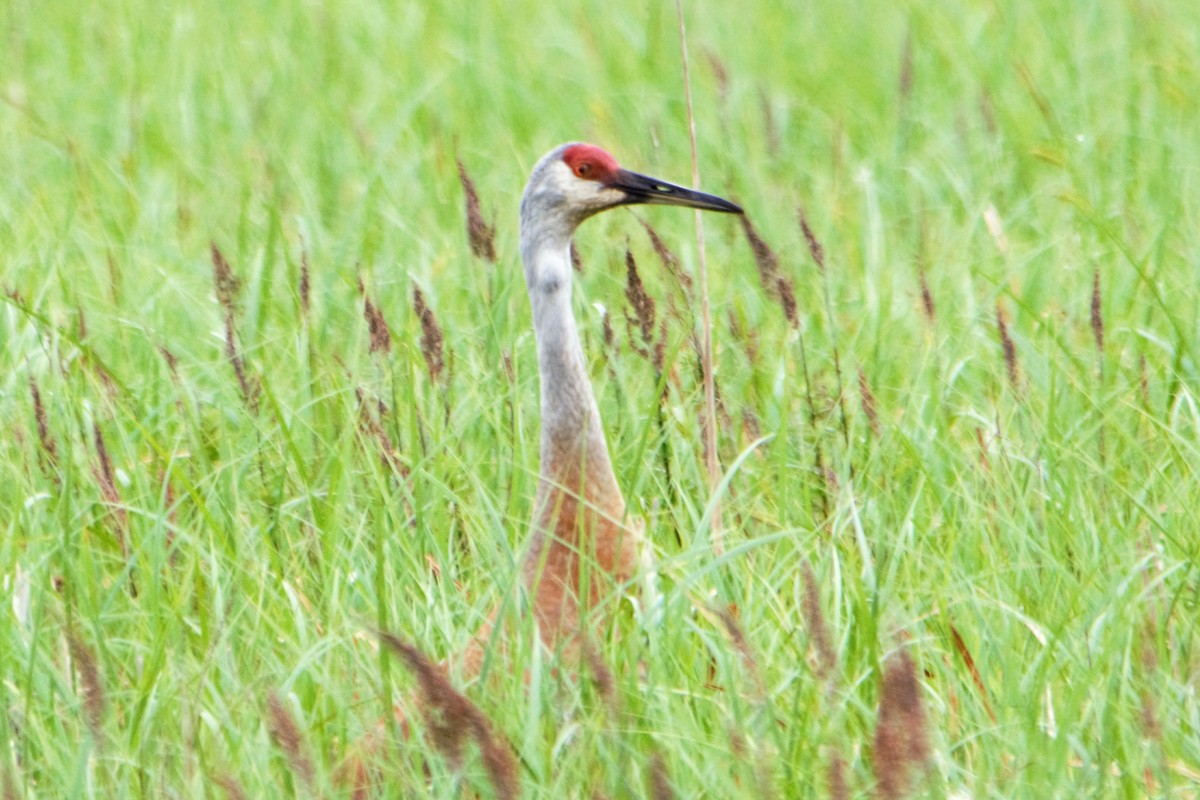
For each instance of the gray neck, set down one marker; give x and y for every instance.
(570, 418)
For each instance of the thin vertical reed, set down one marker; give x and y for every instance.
(712, 459)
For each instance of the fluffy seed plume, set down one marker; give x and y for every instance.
(719, 71)
(305, 287)
(105, 479)
(738, 637)
(987, 111)
(901, 740)
(810, 238)
(1143, 380)
(227, 288)
(285, 732)
(1097, 312)
(230, 786)
(773, 281)
(171, 360)
(869, 405)
(576, 259)
(89, 680)
(247, 384)
(377, 327)
(48, 452)
(1009, 349)
(432, 340)
(814, 618)
(750, 425)
(452, 718)
(669, 260)
(927, 304)
(372, 428)
(639, 300)
(480, 235)
(770, 129)
(225, 282)
(747, 335)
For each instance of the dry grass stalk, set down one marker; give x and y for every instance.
(452, 718)
(377, 327)
(285, 732)
(480, 235)
(906, 69)
(901, 739)
(961, 648)
(640, 301)
(1097, 312)
(712, 462)
(669, 260)
(660, 784)
(984, 461)
(814, 618)
(869, 404)
(48, 448)
(230, 786)
(93, 689)
(1009, 349)
(837, 778)
(773, 281)
(432, 339)
(305, 287)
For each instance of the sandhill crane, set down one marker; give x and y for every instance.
(582, 546)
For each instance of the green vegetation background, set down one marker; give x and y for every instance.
(1033, 518)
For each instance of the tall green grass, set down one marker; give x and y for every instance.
(1024, 528)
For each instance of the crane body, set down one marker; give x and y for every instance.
(582, 545)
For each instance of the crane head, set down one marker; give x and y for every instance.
(586, 179)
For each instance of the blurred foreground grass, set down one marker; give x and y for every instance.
(1007, 486)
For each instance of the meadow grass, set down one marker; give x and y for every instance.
(962, 492)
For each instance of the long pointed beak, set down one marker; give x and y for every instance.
(644, 189)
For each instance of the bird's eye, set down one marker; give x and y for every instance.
(583, 170)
